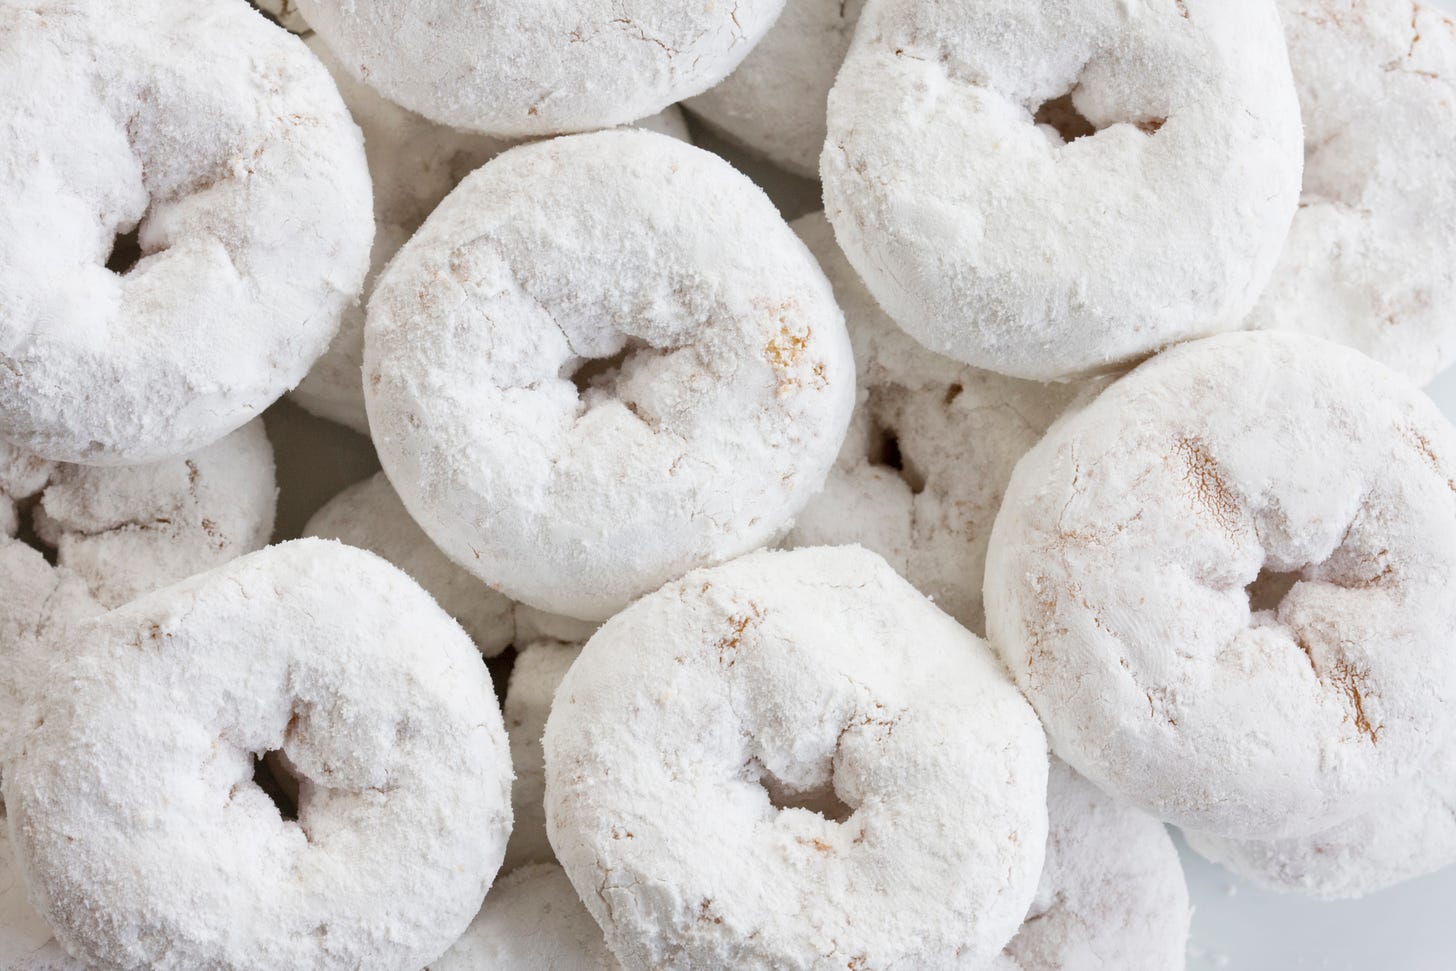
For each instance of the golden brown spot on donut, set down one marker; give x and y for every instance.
(705, 912)
(1182, 8)
(1061, 114)
(1210, 493)
(1348, 679)
(818, 844)
(1423, 445)
(953, 392)
(738, 625)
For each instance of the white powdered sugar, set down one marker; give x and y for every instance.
(1371, 257)
(1000, 239)
(526, 69)
(1224, 584)
(930, 449)
(1409, 832)
(370, 516)
(132, 806)
(223, 142)
(794, 759)
(583, 387)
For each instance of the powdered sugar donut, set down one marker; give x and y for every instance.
(137, 825)
(1371, 258)
(1411, 831)
(538, 671)
(718, 386)
(547, 68)
(225, 145)
(795, 760)
(991, 239)
(1225, 584)
(773, 103)
(370, 516)
(1112, 893)
(532, 919)
(415, 163)
(955, 432)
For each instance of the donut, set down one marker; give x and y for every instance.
(1062, 188)
(537, 673)
(135, 819)
(1371, 257)
(931, 446)
(547, 68)
(583, 385)
(369, 515)
(128, 531)
(1112, 893)
(773, 103)
(414, 163)
(532, 919)
(795, 760)
(1224, 584)
(224, 146)
(1410, 832)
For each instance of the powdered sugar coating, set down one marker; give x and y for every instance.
(722, 419)
(1112, 893)
(370, 516)
(414, 163)
(518, 70)
(1117, 573)
(773, 103)
(956, 431)
(378, 703)
(1371, 258)
(991, 240)
(1411, 831)
(128, 531)
(26, 941)
(538, 671)
(226, 143)
(532, 921)
(823, 677)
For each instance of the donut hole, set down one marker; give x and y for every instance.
(26, 513)
(272, 774)
(1062, 115)
(885, 452)
(1268, 589)
(822, 800)
(126, 251)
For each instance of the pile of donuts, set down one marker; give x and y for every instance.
(863, 592)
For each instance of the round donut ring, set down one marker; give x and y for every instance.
(955, 432)
(518, 70)
(1225, 583)
(223, 142)
(724, 379)
(1112, 892)
(532, 919)
(773, 103)
(1410, 832)
(135, 819)
(1371, 258)
(993, 240)
(795, 760)
(370, 516)
(414, 163)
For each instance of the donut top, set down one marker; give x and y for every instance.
(223, 143)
